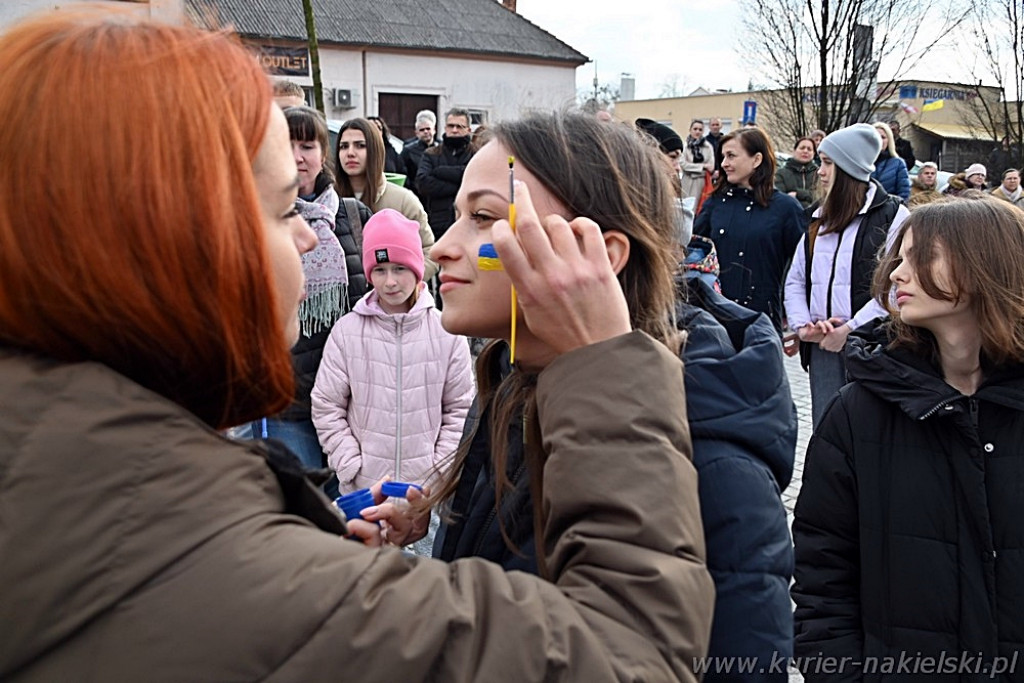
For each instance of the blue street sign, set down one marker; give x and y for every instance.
(749, 111)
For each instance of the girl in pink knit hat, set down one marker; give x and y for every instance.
(394, 387)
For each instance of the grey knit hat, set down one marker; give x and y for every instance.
(853, 149)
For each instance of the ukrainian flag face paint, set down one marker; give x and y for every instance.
(487, 258)
(474, 283)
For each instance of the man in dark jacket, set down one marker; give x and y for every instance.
(744, 427)
(413, 151)
(440, 171)
(1003, 157)
(714, 138)
(903, 148)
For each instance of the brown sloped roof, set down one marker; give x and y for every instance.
(464, 26)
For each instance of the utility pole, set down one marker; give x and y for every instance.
(864, 75)
(314, 56)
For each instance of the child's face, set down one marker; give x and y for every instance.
(478, 302)
(394, 284)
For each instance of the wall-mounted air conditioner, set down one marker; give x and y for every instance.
(343, 99)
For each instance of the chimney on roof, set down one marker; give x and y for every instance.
(510, 5)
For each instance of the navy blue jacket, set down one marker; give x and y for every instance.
(755, 244)
(743, 426)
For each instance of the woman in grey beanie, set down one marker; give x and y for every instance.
(828, 289)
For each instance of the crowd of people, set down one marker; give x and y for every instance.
(595, 496)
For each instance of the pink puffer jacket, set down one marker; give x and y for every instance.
(392, 393)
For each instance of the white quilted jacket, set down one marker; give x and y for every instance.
(392, 393)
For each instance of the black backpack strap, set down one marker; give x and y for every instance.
(892, 207)
(354, 222)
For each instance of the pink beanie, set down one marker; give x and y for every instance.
(390, 237)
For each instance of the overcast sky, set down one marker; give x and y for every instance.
(658, 41)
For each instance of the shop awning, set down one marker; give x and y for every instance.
(956, 132)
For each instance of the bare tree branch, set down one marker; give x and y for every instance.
(806, 49)
(997, 27)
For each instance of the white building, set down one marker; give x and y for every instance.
(390, 58)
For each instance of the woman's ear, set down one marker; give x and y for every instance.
(758, 158)
(617, 245)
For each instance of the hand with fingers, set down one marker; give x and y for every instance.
(401, 523)
(569, 295)
(367, 532)
(390, 519)
(835, 340)
(814, 332)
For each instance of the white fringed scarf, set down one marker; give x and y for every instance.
(324, 267)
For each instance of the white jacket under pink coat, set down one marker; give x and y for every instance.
(392, 393)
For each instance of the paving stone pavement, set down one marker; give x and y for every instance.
(801, 390)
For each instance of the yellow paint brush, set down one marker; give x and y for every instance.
(512, 224)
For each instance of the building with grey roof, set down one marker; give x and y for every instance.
(390, 58)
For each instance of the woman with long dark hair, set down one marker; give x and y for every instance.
(360, 162)
(493, 497)
(392, 161)
(476, 303)
(754, 226)
(908, 528)
(828, 289)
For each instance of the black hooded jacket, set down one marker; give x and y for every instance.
(909, 529)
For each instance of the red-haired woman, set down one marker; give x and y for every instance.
(166, 314)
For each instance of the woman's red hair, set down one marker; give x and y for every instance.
(130, 227)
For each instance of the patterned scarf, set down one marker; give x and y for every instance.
(324, 267)
(696, 149)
